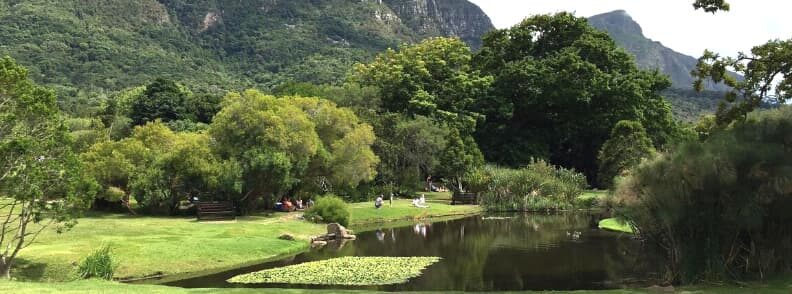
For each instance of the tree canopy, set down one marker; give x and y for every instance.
(560, 87)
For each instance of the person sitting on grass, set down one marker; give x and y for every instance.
(417, 203)
(288, 206)
(378, 202)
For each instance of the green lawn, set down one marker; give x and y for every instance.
(592, 198)
(402, 209)
(146, 246)
(150, 246)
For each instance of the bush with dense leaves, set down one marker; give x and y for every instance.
(99, 264)
(719, 208)
(329, 209)
(539, 186)
(627, 146)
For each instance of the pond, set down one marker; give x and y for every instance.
(490, 253)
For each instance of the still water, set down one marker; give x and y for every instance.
(490, 253)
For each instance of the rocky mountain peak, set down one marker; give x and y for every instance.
(649, 54)
(459, 18)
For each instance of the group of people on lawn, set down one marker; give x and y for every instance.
(287, 205)
(419, 202)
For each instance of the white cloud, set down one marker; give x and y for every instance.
(671, 22)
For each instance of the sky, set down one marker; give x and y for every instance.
(671, 22)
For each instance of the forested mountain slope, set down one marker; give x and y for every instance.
(97, 45)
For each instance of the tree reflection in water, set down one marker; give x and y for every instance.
(498, 252)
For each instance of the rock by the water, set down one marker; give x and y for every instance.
(339, 232)
(335, 232)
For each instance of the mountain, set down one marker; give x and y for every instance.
(649, 54)
(444, 18)
(687, 104)
(99, 45)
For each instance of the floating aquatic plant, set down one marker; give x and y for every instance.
(350, 271)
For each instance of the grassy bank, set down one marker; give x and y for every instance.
(402, 209)
(146, 246)
(155, 246)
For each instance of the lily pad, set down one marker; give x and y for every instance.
(347, 271)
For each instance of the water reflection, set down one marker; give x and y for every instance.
(380, 236)
(501, 252)
(420, 229)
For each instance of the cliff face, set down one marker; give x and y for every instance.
(649, 54)
(444, 18)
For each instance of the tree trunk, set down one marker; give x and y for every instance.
(5, 268)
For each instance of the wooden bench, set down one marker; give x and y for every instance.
(464, 198)
(216, 210)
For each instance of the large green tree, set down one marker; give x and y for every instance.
(409, 150)
(460, 157)
(560, 87)
(433, 79)
(271, 140)
(159, 168)
(344, 158)
(41, 180)
(163, 99)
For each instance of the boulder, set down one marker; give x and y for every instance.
(337, 231)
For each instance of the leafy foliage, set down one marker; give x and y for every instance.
(767, 75)
(99, 264)
(352, 271)
(159, 167)
(560, 87)
(163, 99)
(409, 150)
(428, 90)
(270, 140)
(719, 208)
(39, 174)
(712, 5)
(433, 78)
(539, 186)
(627, 146)
(329, 209)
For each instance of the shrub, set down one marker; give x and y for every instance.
(627, 146)
(719, 208)
(329, 209)
(539, 186)
(99, 264)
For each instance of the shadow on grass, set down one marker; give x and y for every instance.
(26, 270)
